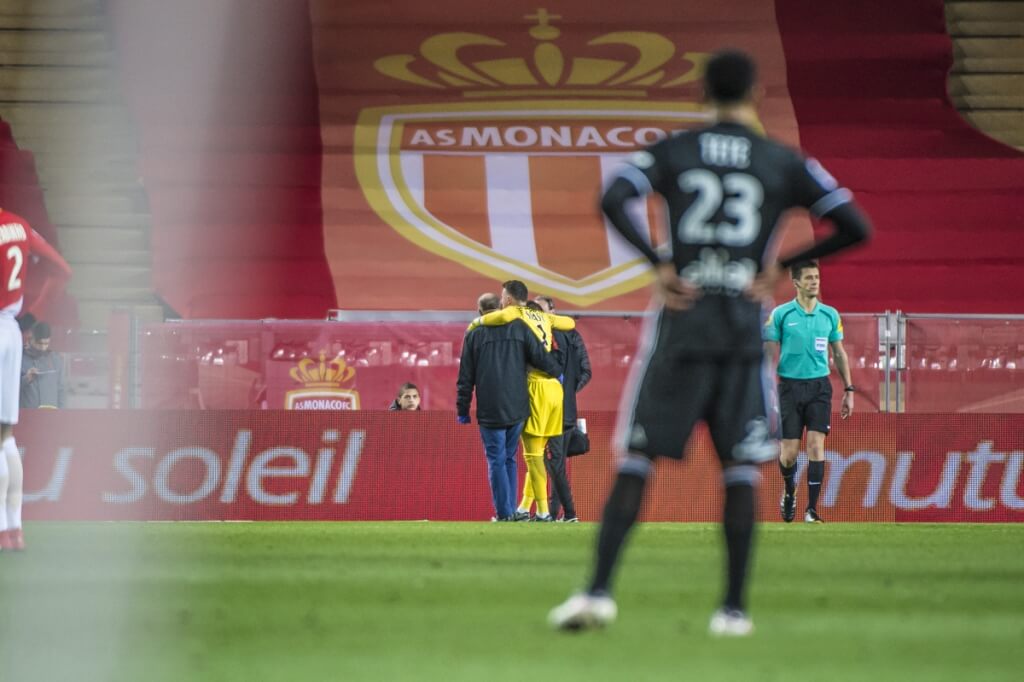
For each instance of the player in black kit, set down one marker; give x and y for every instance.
(701, 354)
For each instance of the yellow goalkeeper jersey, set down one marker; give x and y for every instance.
(545, 391)
(540, 323)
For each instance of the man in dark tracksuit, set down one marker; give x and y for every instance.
(576, 374)
(494, 361)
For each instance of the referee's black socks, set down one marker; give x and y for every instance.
(620, 514)
(815, 474)
(788, 475)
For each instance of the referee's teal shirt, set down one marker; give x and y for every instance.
(803, 338)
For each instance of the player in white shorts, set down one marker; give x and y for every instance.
(18, 243)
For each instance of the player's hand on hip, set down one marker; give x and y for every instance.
(847, 409)
(763, 287)
(675, 292)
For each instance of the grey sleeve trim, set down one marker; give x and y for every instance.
(831, 201)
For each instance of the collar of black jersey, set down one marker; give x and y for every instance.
(732, 124)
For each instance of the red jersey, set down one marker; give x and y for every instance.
(18, 241)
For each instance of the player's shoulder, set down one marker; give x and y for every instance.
(680, 140)
(803, 164)
(649, 157)
(514, 314)
(674, 140)
(779, 151)
(683, 136)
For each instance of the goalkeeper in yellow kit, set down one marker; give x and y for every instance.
(545, 393)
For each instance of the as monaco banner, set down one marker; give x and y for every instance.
(465, 144)
(371, 465)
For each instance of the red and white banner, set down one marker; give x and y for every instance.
(409, 155)
(464, 149)
(375, 465)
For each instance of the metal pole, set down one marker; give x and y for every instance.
(884, 339)
(901, 358)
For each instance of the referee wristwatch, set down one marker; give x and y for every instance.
(850, 389)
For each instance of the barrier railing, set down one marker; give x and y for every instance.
(900, 362)
(964, 363)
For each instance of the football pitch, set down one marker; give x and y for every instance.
(467, 601)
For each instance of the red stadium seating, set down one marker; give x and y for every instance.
(868, 82)
(233, 178)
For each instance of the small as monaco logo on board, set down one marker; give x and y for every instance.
(324, 385)
(499, 168)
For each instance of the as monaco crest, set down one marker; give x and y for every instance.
(326, 385)
(505, 179)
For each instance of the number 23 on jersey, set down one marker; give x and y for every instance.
(738, 195)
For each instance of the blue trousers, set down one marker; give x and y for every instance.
(500, 446)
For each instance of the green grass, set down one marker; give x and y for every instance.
(464, 601)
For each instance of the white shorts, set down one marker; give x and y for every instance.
(10, 369)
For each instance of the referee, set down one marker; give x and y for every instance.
(799, 334)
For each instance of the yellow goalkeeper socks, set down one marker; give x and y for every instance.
(537, 477)
(527, 501)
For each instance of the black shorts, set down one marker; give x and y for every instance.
(805, 403)
(674, 393)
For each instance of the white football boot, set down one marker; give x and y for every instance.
(582, 611)
(730, 623)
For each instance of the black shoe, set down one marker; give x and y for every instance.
(811, 516)
(542, 519)
(521, 516)
(788, 506)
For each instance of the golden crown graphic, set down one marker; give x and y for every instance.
(547, 71)
(322, 375)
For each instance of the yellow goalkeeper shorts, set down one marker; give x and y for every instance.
(545, 406)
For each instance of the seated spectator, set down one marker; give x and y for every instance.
(408, 398)
(42, 372)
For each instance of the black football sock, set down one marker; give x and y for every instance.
(620, 514)
(788, 475)
(738, 524)
(815, 474)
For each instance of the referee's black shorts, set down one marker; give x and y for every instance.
(805, 404)
(674, 393)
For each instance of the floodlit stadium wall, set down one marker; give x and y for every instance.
(377, 465)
